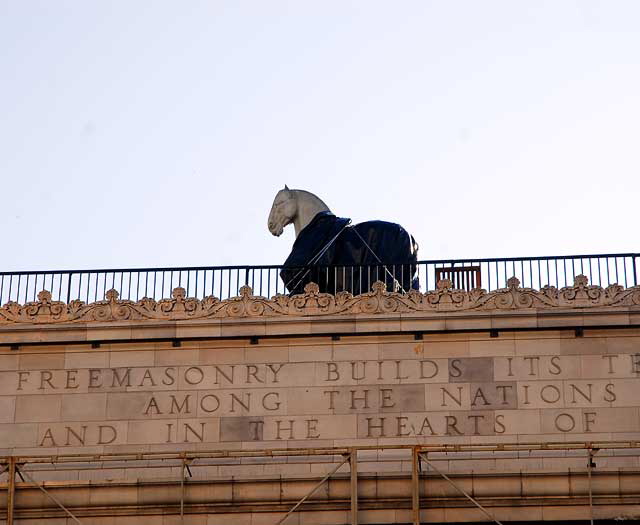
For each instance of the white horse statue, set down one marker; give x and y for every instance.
(337, 256)
(294, 206)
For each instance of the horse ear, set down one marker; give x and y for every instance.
(286, 187)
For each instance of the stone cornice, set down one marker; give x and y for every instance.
(443, 300)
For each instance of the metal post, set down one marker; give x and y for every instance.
(182, 492)
(589, 466)
(353, 463)
(415, 486)
(11, 488)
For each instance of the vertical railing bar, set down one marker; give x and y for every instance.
(426, 277)
(10, 288)
(488, 276)
(599, 273)
(213, 282)
(351, 286)
(524, 282)
(88, 286)
(504, 265)
(260, 281)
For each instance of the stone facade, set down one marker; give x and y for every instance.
(316, 371)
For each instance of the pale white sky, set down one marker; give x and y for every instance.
(151, 133)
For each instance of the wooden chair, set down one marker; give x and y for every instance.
(462, 277)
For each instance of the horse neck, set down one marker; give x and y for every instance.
(308, 207)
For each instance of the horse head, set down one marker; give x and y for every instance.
(283, 211)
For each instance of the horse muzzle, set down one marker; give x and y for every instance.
(276, 229)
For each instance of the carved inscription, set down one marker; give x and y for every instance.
(448, 398)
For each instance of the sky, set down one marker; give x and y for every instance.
(157, 133)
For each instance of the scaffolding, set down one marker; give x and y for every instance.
(423, 459)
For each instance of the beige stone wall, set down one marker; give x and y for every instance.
(507, 376)
(314, 391)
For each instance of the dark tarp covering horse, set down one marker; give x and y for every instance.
(338, 256)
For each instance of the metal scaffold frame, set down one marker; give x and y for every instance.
(420, 454)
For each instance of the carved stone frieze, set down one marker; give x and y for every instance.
(312, 303)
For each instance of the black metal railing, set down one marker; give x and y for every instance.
(225, 281)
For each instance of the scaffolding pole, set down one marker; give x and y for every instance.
(353, 465)
(589, 467)
(11, 489)
(415, 485)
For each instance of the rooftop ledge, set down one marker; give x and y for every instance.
(445, 309)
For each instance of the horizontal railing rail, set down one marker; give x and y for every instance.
(266, 280)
